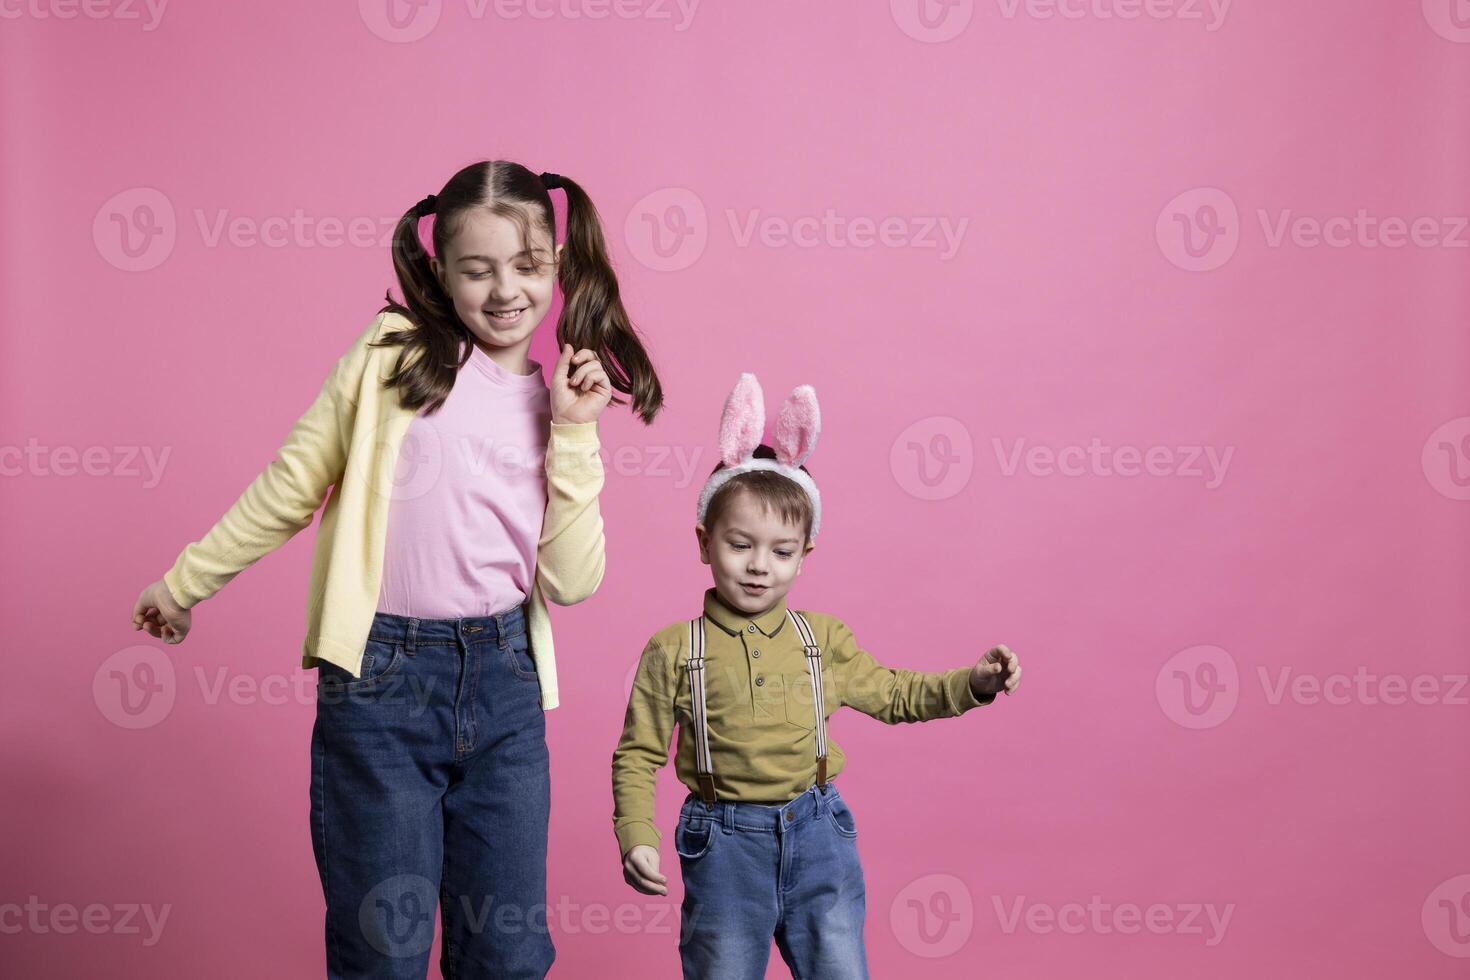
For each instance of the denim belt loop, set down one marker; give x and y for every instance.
(727, 816)
(410, 642)
(500, 630)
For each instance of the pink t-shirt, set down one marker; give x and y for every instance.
(469, 497)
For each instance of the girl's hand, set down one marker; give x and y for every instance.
(640, 869)
(999, 670)
(583, 396)
(158, 613)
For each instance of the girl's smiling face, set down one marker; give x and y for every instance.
(488, 270)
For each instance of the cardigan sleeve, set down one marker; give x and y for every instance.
(281, 500)
(570, 556)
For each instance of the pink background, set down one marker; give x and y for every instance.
(1076, 149)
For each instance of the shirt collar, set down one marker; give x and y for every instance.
(734, 621)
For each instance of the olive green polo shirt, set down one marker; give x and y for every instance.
(758, 700)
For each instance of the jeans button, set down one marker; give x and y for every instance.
(790, 816)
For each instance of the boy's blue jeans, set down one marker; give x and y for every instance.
(753, 872)
(430, 787)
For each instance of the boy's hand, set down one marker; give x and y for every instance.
(583, 395)
(640, 869)
(999, 670)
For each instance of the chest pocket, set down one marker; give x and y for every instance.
(797, 685)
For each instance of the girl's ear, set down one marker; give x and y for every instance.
(797, 427)
(744, 420)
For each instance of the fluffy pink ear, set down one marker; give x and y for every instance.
(797, 426)
(744, 420)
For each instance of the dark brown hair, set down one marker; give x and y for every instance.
(592, 313)
(776, 492)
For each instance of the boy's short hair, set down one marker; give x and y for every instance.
(773, 490)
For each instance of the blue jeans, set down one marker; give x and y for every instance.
(753, 872)
(430, 786)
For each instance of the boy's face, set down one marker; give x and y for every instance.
(753, 553)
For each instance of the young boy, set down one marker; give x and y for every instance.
(766, 845)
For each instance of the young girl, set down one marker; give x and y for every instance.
(443, 539)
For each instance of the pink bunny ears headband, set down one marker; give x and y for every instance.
(741, 426)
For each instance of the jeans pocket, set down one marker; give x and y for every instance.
(381, 659)
(840, 815)
(518, 655)
(692, 836)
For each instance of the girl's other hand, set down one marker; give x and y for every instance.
(583, 395)
(158, 614)
(640, 869)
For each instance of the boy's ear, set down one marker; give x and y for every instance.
(702, 536)
(809, 549)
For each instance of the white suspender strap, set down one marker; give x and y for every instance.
(814, 668)
(697, 708)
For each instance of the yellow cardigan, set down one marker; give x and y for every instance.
(350, 438)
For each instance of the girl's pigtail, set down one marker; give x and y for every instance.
(424, 371)
(592, 313)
